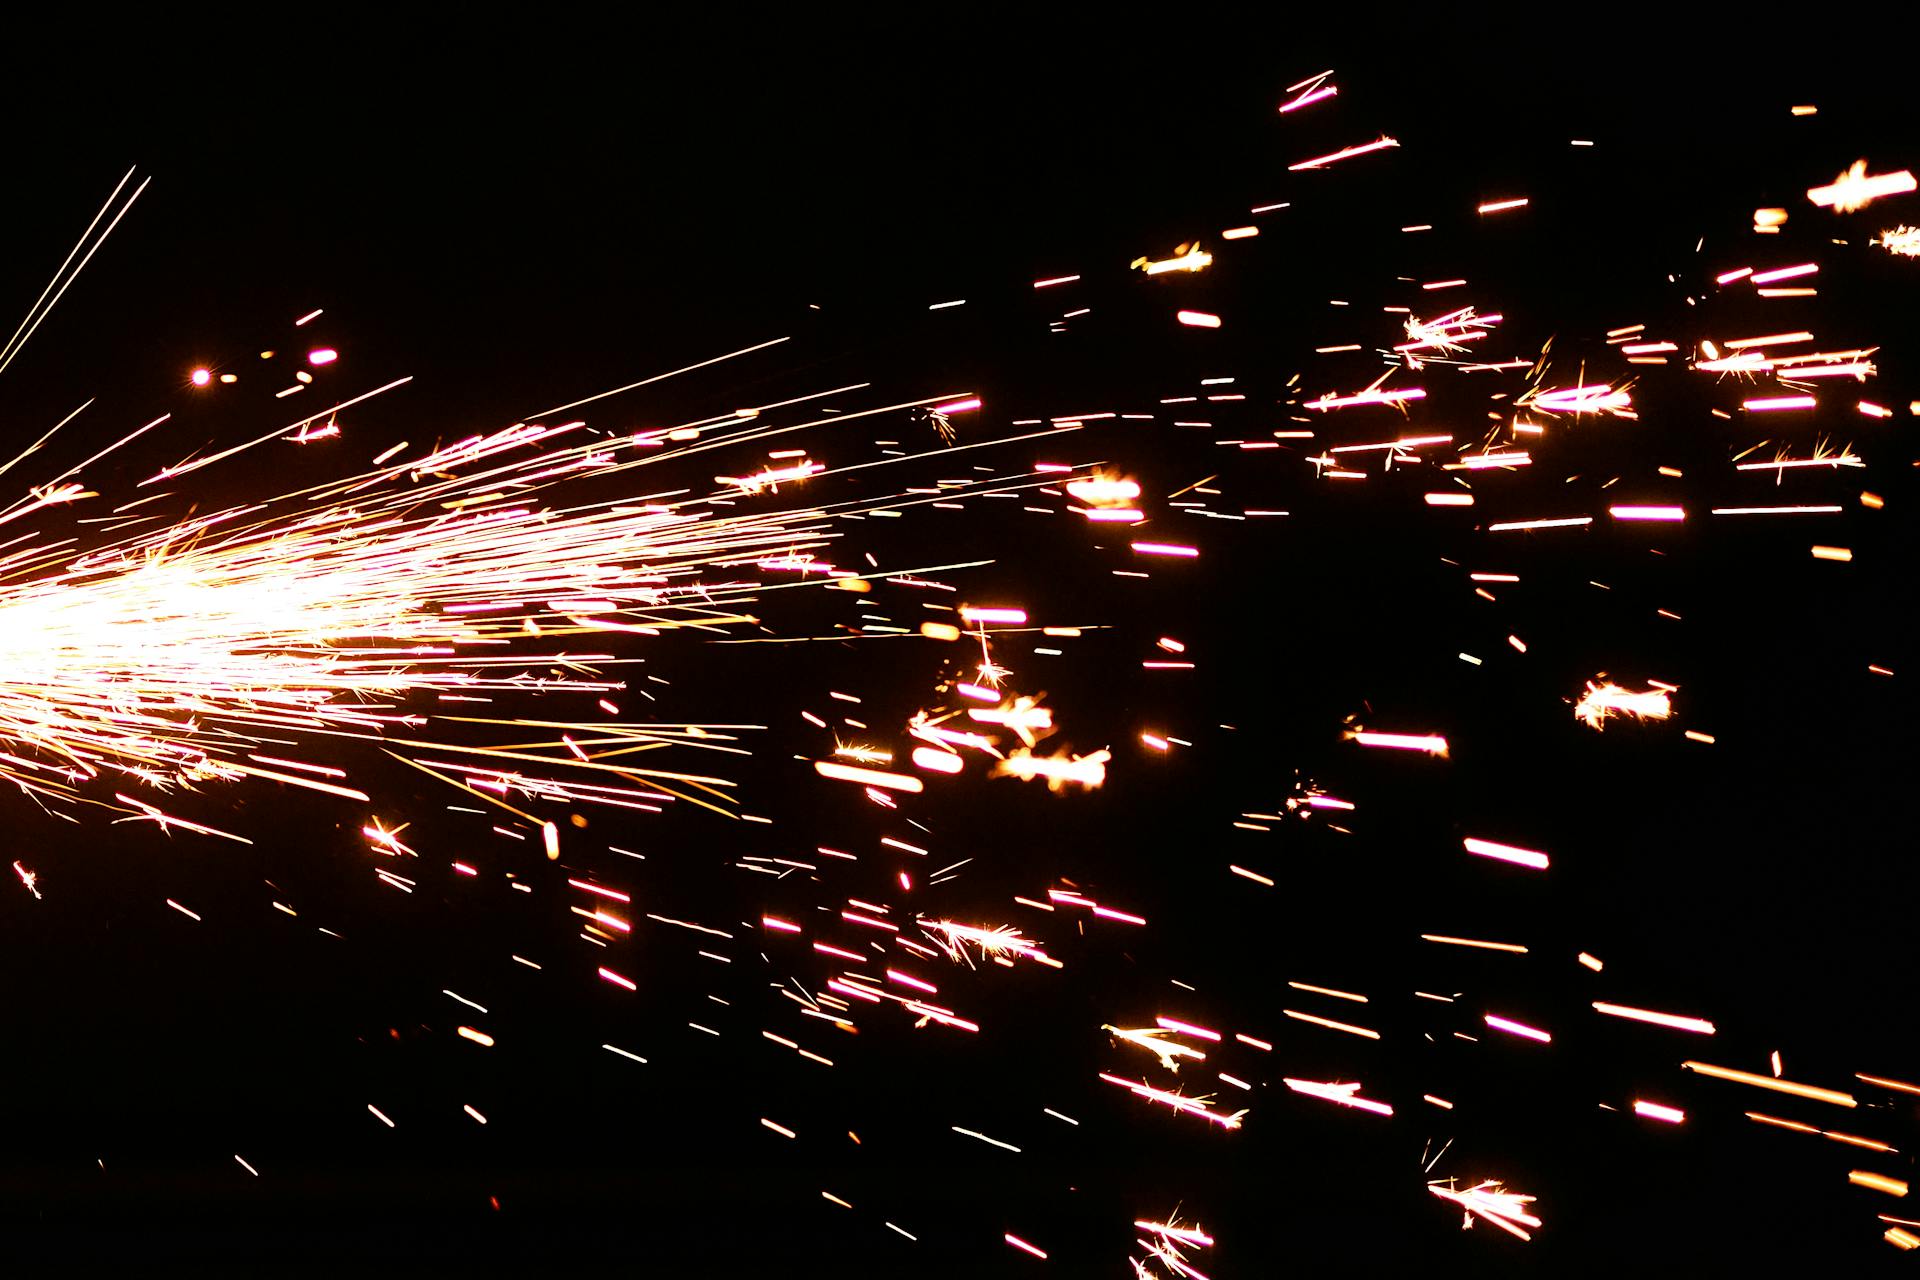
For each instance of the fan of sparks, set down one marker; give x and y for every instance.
(205, 648)
(392, 607)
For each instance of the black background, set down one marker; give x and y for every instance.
(522, 219)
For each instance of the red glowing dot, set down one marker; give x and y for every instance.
(322, 355)
(201, 377)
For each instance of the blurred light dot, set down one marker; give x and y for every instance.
(229, 377)
(322, 355)
(201, 377)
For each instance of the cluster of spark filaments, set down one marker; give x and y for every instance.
(162, 657)
(1903, 240)
(1166, 1243)
(169, 654)
(1002, 940)
(1447, 334)
(1602, 701)
(1491, 1202)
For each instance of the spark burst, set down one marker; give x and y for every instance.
(366, 613)
(1490, 1201)
(1603, 701)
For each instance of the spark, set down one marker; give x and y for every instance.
(1012, 617)
(1306, 92)
(1698, 1025)
(1584, 399)
(1331, 1025)
(868, 777)
(1517, 1028)
(1189, 258)
(1163, 1242)
(862, 754)
(1369, 396)
(1603, 701)
(69, 270)
(1432, 744)
(1179, 1102)
(954, 938)
(1059, 770)
(1171, 1229)
(1903, 240)
(1347, 1095)
(1024, 715)
(1813, 1092)
(1877, 1182)
(1506, 853)
(1491, 1202)
(1345, 153)
(1102, 491)
(1447, 333)
(936, 761)
(1153, 1040)
(1024, 1247)
(1560, 522)
(1855, 188)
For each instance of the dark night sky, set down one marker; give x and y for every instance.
(519, 220)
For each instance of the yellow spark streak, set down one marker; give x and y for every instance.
(1768, 1082)
(1878, 1182)
(1899, 1085)
(1331, 1025)
(1676, 1021)
(1514, 947)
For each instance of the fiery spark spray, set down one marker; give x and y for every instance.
(1903, 240)
(1602, 701)
(1491, 1202)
